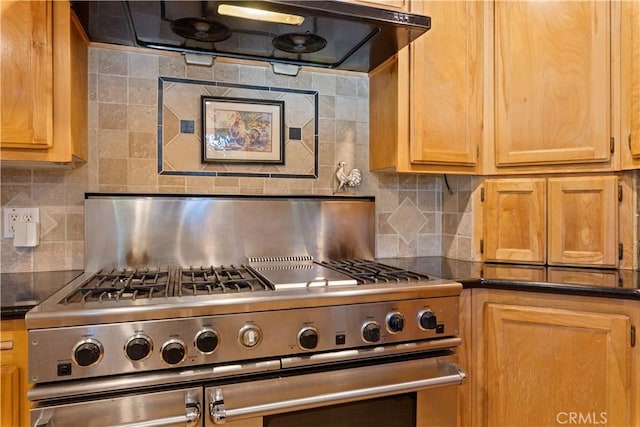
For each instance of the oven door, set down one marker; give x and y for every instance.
(360, 396)
(169, 408)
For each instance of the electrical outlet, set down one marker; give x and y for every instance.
(13, 215)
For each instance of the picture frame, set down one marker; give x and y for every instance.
(240, 130)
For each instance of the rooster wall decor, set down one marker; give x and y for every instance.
(352, 179)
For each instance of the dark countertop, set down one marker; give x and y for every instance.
(608, 283)
(19, 292)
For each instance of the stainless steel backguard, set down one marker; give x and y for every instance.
(157, 230)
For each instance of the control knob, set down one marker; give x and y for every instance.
(207, 341)
(87, 352)
(308, 338)
(371, 332)
(250, 336)
(395, 322)
(173, 352)
(138, 347)
(428, 320)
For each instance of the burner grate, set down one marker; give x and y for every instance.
(115, 285)
(371, 272)
(217, 280)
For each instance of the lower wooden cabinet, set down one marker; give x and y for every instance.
(10, 395)
(13, 377)
(544, 360)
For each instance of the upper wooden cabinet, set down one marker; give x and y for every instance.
(552, 83)
(555, 221)
(446, 82)
(504, 87)
(44, 83)
(26, 105)
(426, 104)
(630, 71)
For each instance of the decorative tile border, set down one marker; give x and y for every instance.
(304, 140)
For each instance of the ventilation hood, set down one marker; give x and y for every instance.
(326, 34)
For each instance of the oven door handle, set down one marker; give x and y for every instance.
(219, 414)
(191, 415)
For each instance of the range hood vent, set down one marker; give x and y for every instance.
(326, 34)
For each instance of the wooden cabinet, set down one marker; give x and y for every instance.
(515, 220)
(596, 380)
(552, 92)
(26, 67)
(426, 104)
(557, 221)
(497, 88)
(583, 221)
(553, 99)
(538, 359)
(44, 83)
(630, 70)
(10, 392)
(13, 377)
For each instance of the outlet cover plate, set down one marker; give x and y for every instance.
(13, 215)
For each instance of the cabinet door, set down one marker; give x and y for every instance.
(552, 82)
(632, 49)
(583, 221)
(13, 357)
(26, 93)
(515, 220)
(446, 84)
(544, 364)
(9, 392)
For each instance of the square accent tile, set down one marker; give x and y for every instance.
(295, 134)
(187, 126)
(407, 220)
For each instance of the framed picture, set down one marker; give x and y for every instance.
(238, 130)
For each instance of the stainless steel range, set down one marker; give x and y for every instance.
(201, 310)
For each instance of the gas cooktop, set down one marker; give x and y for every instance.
(264, 274)
(112, 295)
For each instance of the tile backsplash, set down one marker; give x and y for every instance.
(417, 215)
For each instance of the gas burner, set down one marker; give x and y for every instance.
(369, 272)
(125, 284)
(299, 42)
(201, 29)
(217, 280)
